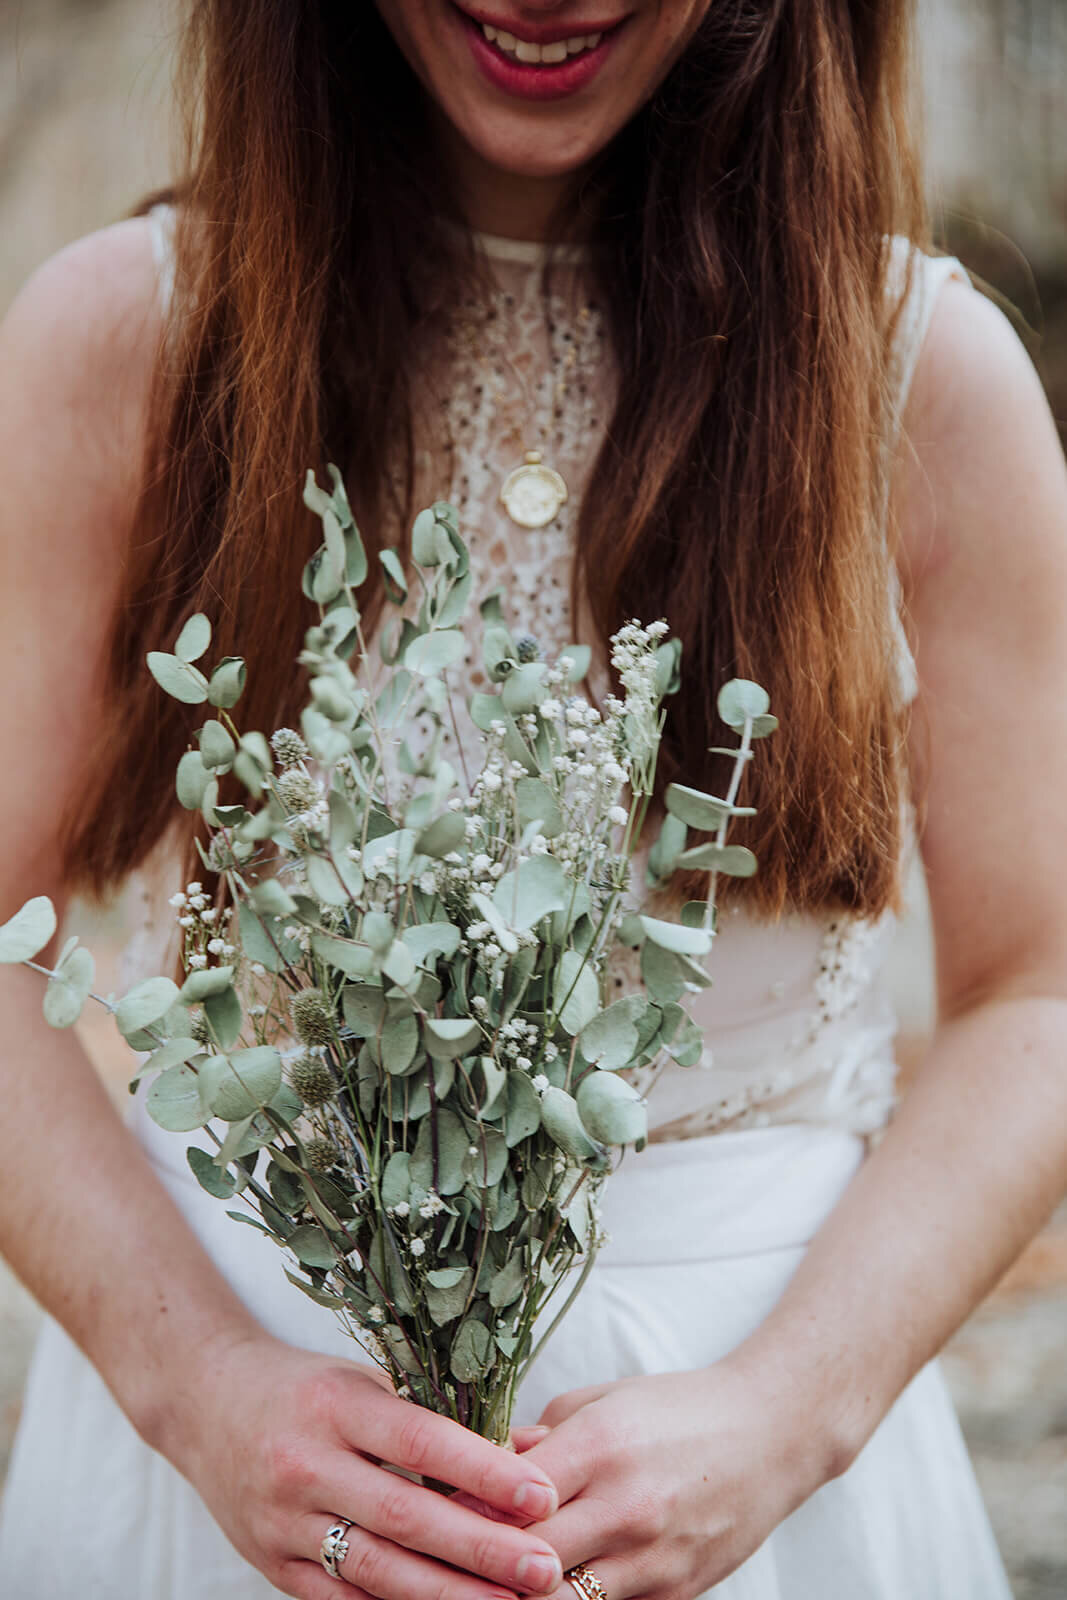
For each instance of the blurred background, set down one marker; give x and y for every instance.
(84, 92)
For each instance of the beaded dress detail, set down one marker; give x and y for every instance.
(798, 1026)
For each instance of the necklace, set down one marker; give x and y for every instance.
(533, 494)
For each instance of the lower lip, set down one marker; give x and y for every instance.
(527, 82)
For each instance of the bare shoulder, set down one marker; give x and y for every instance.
(77, 352)
(980, 458)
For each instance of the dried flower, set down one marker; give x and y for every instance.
(313, 1017)
(289, 747)
(321, 1153)
(312, 1079)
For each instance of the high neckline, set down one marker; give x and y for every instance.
(530, 252)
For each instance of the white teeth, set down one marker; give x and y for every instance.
(549, 55)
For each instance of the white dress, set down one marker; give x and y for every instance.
(750, 1151)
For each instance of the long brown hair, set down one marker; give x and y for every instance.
(742, 224)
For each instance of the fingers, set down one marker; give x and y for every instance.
(569, 1453)
(376, 1567)
(523, 1439)
(565, 1405)
(410, 1437)
(419, 1520)
(620, 1580)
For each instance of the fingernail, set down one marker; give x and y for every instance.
(540, 1572)
(536, 1499)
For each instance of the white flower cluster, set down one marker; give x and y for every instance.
(204, 927)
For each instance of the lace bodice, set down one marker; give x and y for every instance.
(797, 1024)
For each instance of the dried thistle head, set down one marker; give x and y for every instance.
(321, 1154)
(297, 791)
(313, 1018)
(312, 1079)
(289, 747)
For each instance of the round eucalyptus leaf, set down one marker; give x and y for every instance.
(398, 964)
(201, 985)
(699, 810)
(224, 1013)
(453, 1142)
(762, 726)
(217, 749)
(501, 932)
(312, 1246)
(331, 699)
(172, 1054)
(523, 1115)
(326, 881)
(424, 547)
(428, 940)
(221, 1184)
(537, 803)
(396, 1180)
(611, 1109)
(179, 679)
(399, 1040)
(363, 1005)
(173, 1102)
(563, 1123)
(28, 931)
(679, 940)
(354, 960)
(575, 995)
(67, 992)
(449, 1038)
(446, 1301)
(524, 688)
(272, 898)
(669, 666)
(434, 652)
(741, 700)
(239, 1084)
(191, 780)
(379, 930)
(396, 584)
(732, 860)
(193, 639)
(610, 1039)
(145, 1004)
(508, 1283)
(537, 886)
(472, 1354)
(443, 835)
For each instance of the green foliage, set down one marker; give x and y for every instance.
(391, 1021)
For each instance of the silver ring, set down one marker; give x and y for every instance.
(334, 1547)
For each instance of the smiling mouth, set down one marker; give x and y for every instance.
(544, 46)
(537, 55)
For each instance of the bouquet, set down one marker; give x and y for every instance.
(391, 1030)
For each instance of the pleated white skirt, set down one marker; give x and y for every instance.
(704, 1236)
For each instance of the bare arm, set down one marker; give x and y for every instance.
(977, 1157)
(277, 1441)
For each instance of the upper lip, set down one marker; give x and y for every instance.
(540, 32)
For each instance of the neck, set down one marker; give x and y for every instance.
(502, 203)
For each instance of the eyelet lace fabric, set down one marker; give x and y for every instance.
(798, 1027)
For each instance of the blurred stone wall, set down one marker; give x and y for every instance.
(84, 97)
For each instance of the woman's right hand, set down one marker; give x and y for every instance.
(281, 1443)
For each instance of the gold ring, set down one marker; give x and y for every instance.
(585, 1583)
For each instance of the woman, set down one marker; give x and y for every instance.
(746, 384)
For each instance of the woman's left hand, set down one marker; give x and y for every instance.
(668, 1483)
